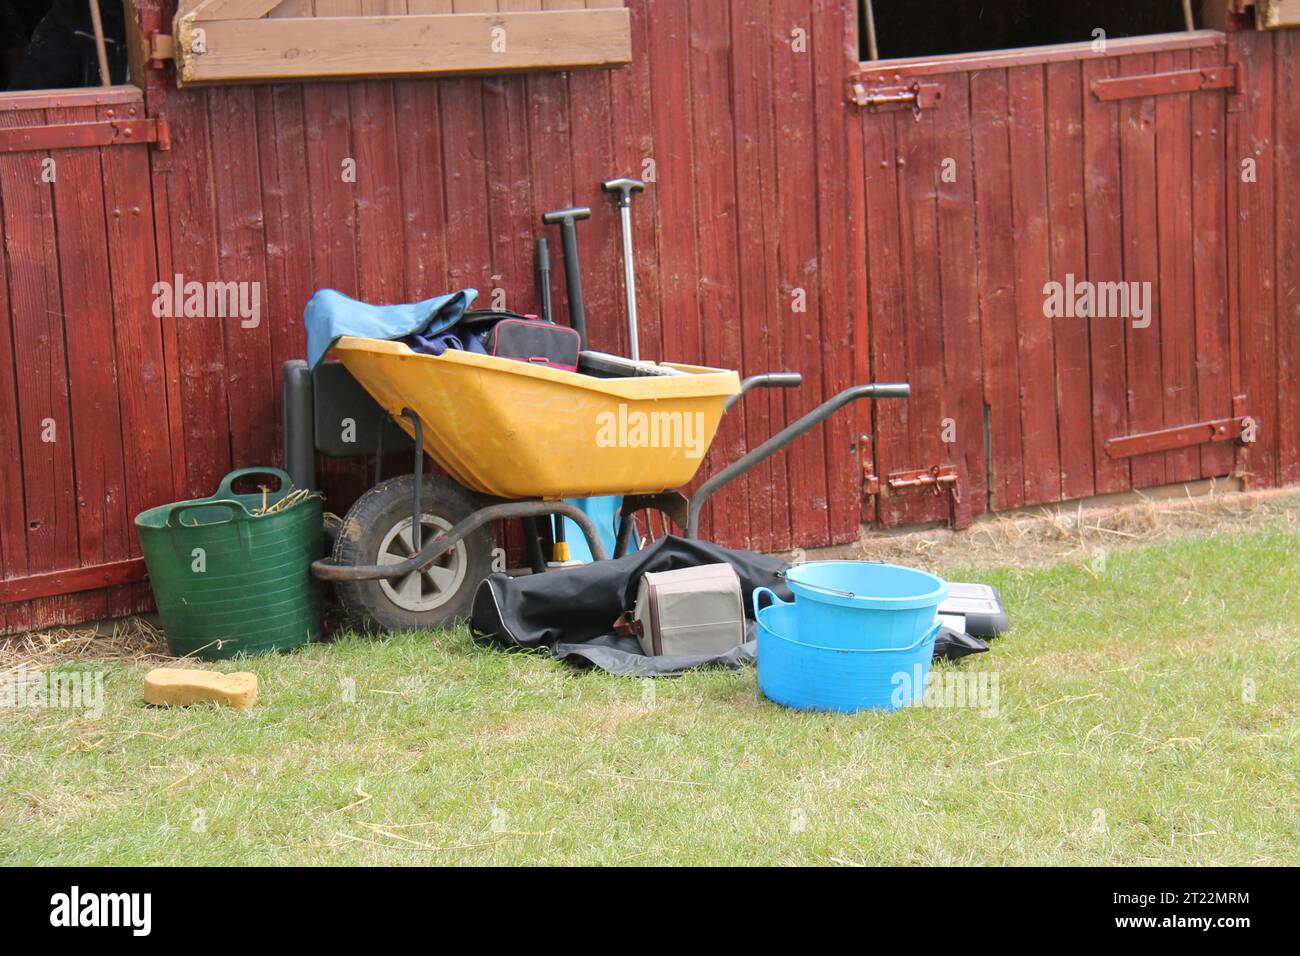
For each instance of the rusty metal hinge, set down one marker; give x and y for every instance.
(916, 97)
(161, 49)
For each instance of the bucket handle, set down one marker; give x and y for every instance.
(822, 587)
(758, 592)
(224, 489)
(233, 506)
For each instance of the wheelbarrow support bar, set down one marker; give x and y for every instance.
(326, 570)
(784, 437)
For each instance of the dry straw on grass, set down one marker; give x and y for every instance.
(131, 639)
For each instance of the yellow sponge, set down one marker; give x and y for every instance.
(180, 687)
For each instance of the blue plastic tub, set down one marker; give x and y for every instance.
(859, 604)
(809, 676)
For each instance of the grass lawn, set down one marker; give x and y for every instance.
(1147, 713)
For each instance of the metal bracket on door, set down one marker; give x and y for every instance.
(937, 479)
(1228, 77)
(879, 99)
(116, 132)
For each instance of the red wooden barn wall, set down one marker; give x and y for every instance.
(769, 192)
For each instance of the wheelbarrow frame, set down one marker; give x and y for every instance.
(682, 510)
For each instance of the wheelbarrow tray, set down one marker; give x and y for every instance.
(514, 430)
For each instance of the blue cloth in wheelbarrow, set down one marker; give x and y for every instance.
(330, 315)
(571, 613)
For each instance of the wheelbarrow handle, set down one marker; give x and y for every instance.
(784, 437)
(766, 380)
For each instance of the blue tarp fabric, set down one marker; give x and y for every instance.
(330, 315)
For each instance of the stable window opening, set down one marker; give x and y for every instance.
(62, 44)
(898, 29)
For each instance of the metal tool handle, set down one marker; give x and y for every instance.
(572, 214)
(625, 188)
(766, 380)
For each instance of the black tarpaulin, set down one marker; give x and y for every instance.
(571, 613)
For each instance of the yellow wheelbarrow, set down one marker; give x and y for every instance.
(515, 439)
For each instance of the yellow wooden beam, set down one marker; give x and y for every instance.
(336, 47)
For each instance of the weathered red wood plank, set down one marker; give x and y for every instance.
(1104, 241)
(96, 426)
(751, 81)
(800, 262)
(963, 375)
(44, 412)
(633, 132)
(890, 431)
(1065, 177)
(1210, 185)
(381, 264)
(1142, 265)
(13, 532)
(1174, 235)
(1252, 139)
(918, 172)
(282, 157)
(200, 343)
(1286, 61)
(332, 178)
(834, 41)
(424, 214)
(138, 336)
(669, 56)
(85, 582)
(241, 252)
(601, 244)
(1038, 440)
(719, 277)
(551, 169)
(505, 119)
(997, 287)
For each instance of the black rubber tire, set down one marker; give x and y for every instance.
(368, 522)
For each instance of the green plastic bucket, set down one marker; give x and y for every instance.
(228, 581)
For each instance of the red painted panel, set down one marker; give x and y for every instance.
(1065, 177)
(1287, 151)
(1103, 234)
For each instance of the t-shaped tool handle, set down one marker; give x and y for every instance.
(625, 188)
(572, 214)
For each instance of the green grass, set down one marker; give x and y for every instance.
(1125, 733)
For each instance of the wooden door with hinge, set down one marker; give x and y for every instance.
(84, 437)
(991, 176)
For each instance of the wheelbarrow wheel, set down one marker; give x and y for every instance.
(377, 530)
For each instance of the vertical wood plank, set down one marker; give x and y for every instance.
(834, 39)
(424, 213)
(1174, 236)
(1065, 177)
(752, 106)
(241, 252)
(1141, 265)
(1038, 439)
(1287, 150)
(800, 264)
(963, 374)
(1252, 138)
(719, 270)
(997, 287)
(381, 263)
(1103, 211)
(1210, 185)
(46, 492)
